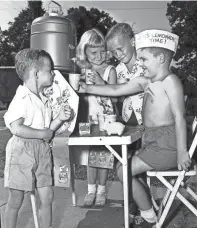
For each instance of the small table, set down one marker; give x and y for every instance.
(130, 135)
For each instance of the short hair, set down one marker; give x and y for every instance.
(30, 58)
(91, 38)
(158, 50)
(119, 29)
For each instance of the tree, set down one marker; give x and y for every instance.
(182, 16)
(86, 19)
(5, 51)
(17, 36)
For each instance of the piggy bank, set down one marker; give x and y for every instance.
(114, 128)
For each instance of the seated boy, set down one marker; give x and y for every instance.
(164, 139)
(28, 154)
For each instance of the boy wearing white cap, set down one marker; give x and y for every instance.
(164, 139)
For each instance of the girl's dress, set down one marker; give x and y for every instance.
(100, 105)
(99, 156)
(97, 105)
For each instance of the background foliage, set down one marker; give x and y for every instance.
(17, 36)
(182, 16)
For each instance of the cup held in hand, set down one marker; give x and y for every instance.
(74, 80)
(88, 72)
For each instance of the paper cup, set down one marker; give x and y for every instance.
(110, 118)
(101, 122)
(87, 73)
(74, 80)
(93, 119)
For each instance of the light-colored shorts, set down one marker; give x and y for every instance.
(159, 149)
(28, 164)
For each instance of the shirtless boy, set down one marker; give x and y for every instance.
(164, 139)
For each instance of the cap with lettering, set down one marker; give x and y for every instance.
(156, 38)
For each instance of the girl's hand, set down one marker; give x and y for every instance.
(65, 113)
(95, 78)
(83, 77)
(82, 87)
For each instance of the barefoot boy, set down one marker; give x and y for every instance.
(28, 154)
(164, 138)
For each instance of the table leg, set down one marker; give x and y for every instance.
(125, 185)
(74, 198)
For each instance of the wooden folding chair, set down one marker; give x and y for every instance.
(174, 185)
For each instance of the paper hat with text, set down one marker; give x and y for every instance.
(156, 38)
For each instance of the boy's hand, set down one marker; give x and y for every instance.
(184, 161)
(82, 87)
(65, 113)
(48, 134)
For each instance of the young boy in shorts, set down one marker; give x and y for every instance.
(164, 138)
(28, 154)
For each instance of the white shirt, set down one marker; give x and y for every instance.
(25, 104)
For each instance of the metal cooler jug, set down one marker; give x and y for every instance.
(55, 34)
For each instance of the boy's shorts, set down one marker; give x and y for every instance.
(28, 164)
(159, 149)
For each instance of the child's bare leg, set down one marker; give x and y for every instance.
(15, 201)
(103, 174)
(91, 172)
(45, 210)
(101, 196)
(90, 197)
(119, 173)
(141, 193)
